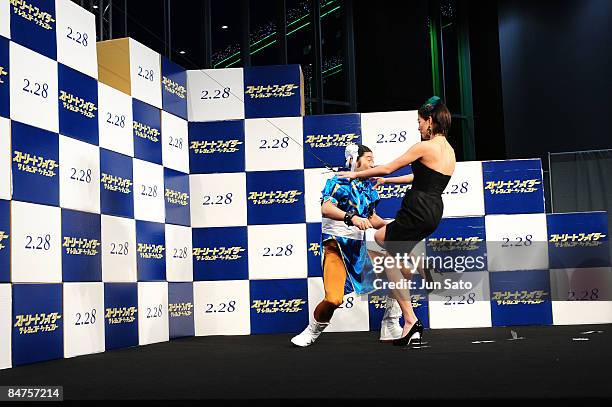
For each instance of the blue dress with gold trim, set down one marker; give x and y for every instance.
(359, 195)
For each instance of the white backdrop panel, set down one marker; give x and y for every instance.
(222, 307)
(352, 315)
(5, 18)
(277, 251)
(215, 94)
(5, 159)
(461, 307)
(36, 255)
(79, 175)
(145, 74)
(175, 142)
(83, 319)
(389, 134)
(581, 296)
(76, 37)
(115, 120)
(464, 194)
(274, 144)
(34, 88)
(218, 200)
(153, 323)
(149, 190)
(516, 242)
(118, 249)
(6, 316)
(179, 264)
(314, 181)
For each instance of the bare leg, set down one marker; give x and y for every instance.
(401, 295)
(421, 271)
(379, 237)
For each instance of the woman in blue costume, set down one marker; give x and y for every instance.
(348, 209)
(433, 163)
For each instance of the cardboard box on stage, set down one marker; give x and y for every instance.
(128, 66)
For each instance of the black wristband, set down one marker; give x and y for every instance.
(347, 217)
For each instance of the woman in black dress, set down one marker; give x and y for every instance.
(433, 163)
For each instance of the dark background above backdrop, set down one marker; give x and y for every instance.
(521, 78)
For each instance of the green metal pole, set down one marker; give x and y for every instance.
(434, 32)
(465, 86)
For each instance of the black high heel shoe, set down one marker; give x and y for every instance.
(405, 340)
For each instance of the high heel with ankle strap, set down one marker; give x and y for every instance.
(405, 340)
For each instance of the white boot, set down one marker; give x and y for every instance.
(310, 334)
(390, 327)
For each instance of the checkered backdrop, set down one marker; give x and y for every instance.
(140, 203)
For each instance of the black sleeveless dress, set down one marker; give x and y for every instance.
(421, 210)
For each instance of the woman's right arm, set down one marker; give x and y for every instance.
(414, 153)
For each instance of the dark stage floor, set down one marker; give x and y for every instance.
(546, 363)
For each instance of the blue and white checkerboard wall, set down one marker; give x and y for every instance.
(191, 205)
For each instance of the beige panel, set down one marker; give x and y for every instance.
(114, 64)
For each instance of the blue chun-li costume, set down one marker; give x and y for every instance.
(360, 196)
